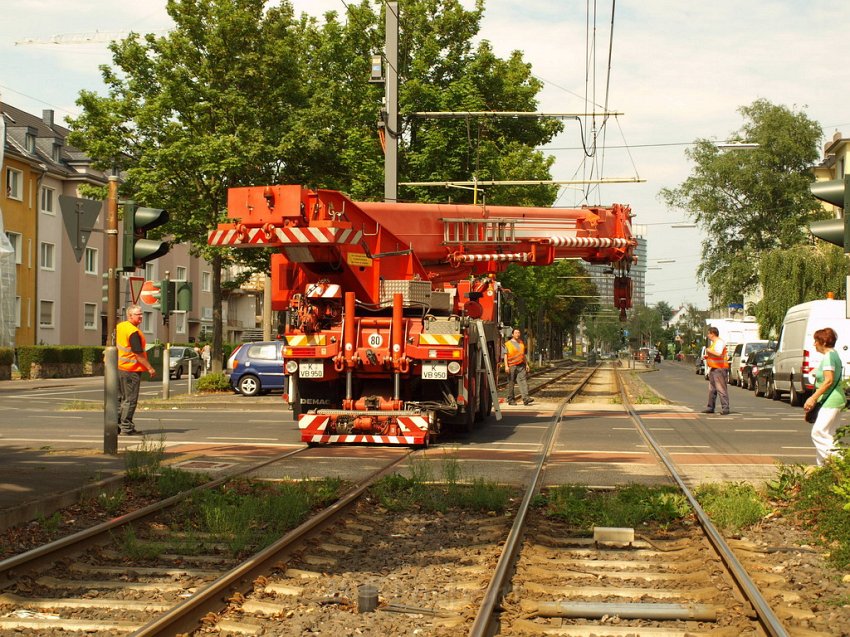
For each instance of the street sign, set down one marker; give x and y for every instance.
(149, 288)
(136, 284)
(80, 216)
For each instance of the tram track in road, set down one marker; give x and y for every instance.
(553, 579)
(83, 583)
(436, 572)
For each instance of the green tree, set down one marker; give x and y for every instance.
(750, 201)
(241, 93)
(796, 275)
(193, 113)
(547, 302)
(665, 310)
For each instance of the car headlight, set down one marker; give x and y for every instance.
(291, 366)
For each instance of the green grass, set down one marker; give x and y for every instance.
(144, 461)
(732, 506)
(629, 506)
(439, 486)
(249, 515)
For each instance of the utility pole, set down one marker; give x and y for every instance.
(391, 93)
(110, 358)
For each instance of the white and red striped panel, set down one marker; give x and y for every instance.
(477, 258)
(323, 291)
(414, 432)
(589, 242)
(283, 236)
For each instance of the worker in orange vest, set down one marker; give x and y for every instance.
(718, 369)
(516, 365)
(132, 361)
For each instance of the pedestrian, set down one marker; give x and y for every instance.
(132, 361)
(718, 370)
(205, 356)
(827, 382)
(516, 366)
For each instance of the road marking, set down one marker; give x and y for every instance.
(809, 448)
(235, 438)
(767, 431)
(513, 444)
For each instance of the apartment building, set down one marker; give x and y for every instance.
(59, 282)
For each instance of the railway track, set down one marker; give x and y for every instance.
(367, 565)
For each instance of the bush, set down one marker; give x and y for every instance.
(217, 382)
(7, 355)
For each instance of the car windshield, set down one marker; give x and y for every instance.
(177, 352)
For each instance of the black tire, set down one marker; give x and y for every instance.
(249, 385)
(795, 398)
(178, 373)
(197, 372)
(757, 391)
(771, 390)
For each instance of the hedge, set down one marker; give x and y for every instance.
(46, 354)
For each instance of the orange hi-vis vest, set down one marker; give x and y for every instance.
(716, 361)
(516, 353)
(127, 360)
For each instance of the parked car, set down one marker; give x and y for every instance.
(739, 359)
(181, 359)
(256, 368)
(752, 362)
(762, 373)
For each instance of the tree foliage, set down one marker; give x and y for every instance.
(244, 93)
(750, 201)
(797, 275)
(547, 302)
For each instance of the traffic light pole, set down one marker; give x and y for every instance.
(166, 353)
(110, 358)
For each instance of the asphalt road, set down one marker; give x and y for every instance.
(757, 431)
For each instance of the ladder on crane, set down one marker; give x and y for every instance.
(479, 231)
(488, 365)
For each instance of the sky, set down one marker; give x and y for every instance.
(679, 71)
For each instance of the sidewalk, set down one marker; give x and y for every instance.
(35, 482)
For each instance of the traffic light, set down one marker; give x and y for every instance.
(165, 297)
(835, 231)
(183, 296)
(138, 249)
(105, 288)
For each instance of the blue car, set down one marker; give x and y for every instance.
(257, 368)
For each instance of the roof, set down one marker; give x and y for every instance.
(51, 151)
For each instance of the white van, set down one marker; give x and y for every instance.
(796, 356)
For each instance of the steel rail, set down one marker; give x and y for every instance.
(52, 550)
(186, 616)
(767, 617)
(495, 590)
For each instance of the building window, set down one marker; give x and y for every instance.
(57, 150)
(179, 319)
(15, 239)
(91, 261)
(48, 196)
(17, 311)
(147, 322)
(206, 282)
(45, 314)
(29, 142)
(47, 262)
(181, 273)
(89, 316)
(150, 272)
(14, 184)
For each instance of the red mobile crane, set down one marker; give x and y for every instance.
(393, 309)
